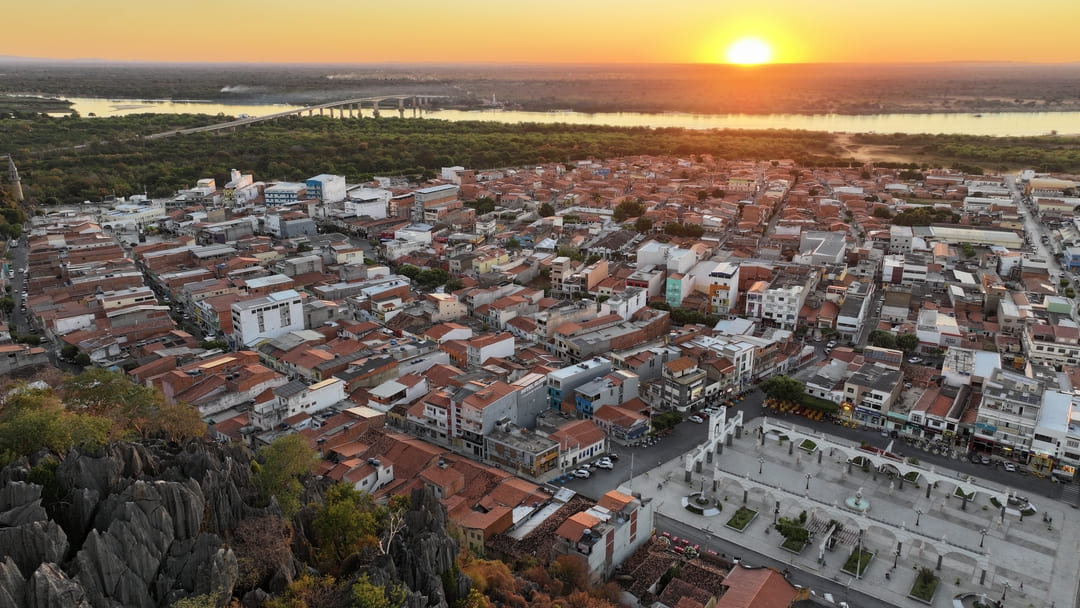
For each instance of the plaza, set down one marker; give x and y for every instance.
(976, 535)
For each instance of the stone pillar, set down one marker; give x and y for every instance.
(819, 457)
(320, 111)
(928, 486)
(901, 482)
(738, 432)
(697, 467)
(938, 562)
(708, 457)
(729, 439)
(687, 477)
(790, 447)
(719, 449)
(982, 577)
(715, 484)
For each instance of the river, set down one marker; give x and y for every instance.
(998, 124)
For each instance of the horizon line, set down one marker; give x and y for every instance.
(84, 60)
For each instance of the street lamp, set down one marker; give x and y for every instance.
(760, 465)
(896, 556)
(776, 512)
(808, 481)
(918, 514)
(981, 540)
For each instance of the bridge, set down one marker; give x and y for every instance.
(348, 108)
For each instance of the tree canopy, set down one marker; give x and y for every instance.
(783, 388)
(279, 468)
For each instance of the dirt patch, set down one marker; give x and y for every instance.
(874, 152)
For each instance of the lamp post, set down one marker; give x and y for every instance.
(918, 514)
(760, 465)
(896, 556)
(776, 512)
(983, 539)
(808, 481)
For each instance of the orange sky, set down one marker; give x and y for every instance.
(558, 31)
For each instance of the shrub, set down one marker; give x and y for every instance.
(857, 562)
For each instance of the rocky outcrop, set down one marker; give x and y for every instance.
(50, 587)
(420, 555)
(146, 525)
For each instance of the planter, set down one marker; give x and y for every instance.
(912, 476)
(960, 494)
(741, 519)
(808, 446)
(793, 546)
(858, 562)
(925, 586)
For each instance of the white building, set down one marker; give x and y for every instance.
(297, 398)
(268, 317)
(326, 188)
(627, 302)
(283, 193)
(372, 202)
(937, 330)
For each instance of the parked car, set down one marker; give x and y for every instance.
(915, 360)
(581, 474)
(831, 344)
(1010, 467)
(984, 459)
(613, 456)
(604, 463)
(696, 419)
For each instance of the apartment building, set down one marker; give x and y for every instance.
(615, 388)
(1009, 411)
(477, 413)
(683, 385)
(873, 390)
(267, 317)
(294, 398)
(563, 382)
(1053, 345)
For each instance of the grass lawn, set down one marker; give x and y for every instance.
(794, 545)
(741, 518)
(857, 562)
(807, 445)
(924, 587)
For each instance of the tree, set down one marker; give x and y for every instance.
(303, 247)
(545, 210)
(907, 342)
(627, 209)
(7, 304)
(783, 388)
(69, 351)
(408, 270)
(643, 225)
(883, 339)
(346, 523)
(513, 243)
(365, 594)
(82, 359)
(277, 472)
(262, 547)
(882, 212)
(214, 344)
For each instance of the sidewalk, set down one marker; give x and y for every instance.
(1013, 552)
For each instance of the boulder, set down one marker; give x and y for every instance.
(50, 587)
(20, 503)
(30, 545)
(98, 473)
(200, 566)
(12, 584)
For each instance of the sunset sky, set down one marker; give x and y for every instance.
(555, 31)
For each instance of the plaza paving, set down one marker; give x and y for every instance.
(1032, 562)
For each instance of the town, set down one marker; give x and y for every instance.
(530, 342)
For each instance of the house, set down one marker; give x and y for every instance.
(579, 441)
(624, 424)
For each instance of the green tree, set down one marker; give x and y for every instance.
(408, 270)
(278, 470)
(783, 388)
(82, 359)
(545, 210)
(882, 212)
(346, 523)
(907, 342)
(883, 339)
(303, 247)
(628, 209)
(513, 243)
(69, 351)
(7, 304)
(643, 225)
(214, 344)
(365, 594)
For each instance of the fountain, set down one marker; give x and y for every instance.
(857, 503)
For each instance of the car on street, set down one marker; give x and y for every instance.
(915, 360)
(984, 459)
(1010, 467)
(613, 456)
(581, 474)
(604, 463)
(831, 344)
(696, 419)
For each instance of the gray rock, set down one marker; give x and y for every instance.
(30, 545)
(49, 587)
(98, 473)
(182, 501)
(78, 518)
(200, 566)
(20, 503)
(12, 584)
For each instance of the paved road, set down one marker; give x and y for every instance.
(820, 584)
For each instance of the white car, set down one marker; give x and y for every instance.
(696, 419)
(915, 360)
(604, 463)
(1010, 467)
(831, 344)
(581, 474)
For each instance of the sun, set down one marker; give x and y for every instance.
(749, 51)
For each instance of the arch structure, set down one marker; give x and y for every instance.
(721, 431)
(904, 539)
(885, 461)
